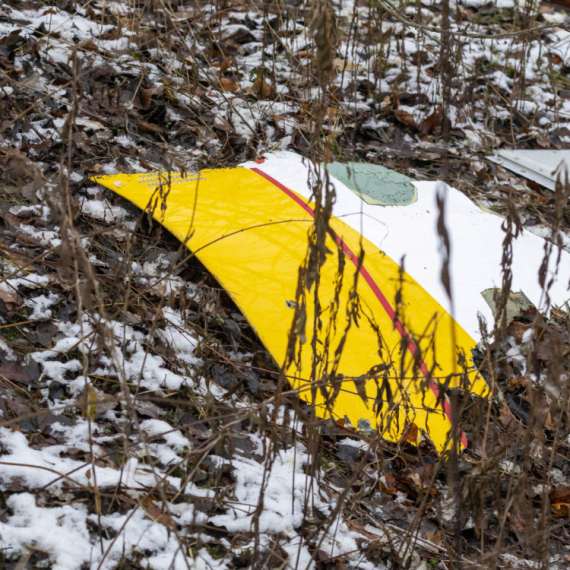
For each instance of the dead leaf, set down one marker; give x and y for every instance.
(149, 127)
(416, 480)
(560, 495)
(18, 406)
(517, 330)
(544, 350)
(344, 65)
(390, 486)
(421, 57)
(405, 118)
(81, 142)
(229, 85)
(435, 538)
(86, 45)
(262, 90)
(428, 125)
(15, 372)
(516, 521)
(548, 422)
(555, 58)
(5, 64)
(412, 434)
(355, 525)
(147, 94)
(228, 63)
(113, 34)
(518, 382)
(88, 402)
(333, 112)
(10, 297)
(278, 120)
(155, 514)
(560, 510)
(148, 409)
(506, 416)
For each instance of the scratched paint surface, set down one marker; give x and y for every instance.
(251, 232)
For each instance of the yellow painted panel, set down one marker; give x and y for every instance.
(252, 235)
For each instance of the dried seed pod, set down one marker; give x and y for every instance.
(324, 29)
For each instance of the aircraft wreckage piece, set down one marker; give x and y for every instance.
(389, 348)
(541, 166)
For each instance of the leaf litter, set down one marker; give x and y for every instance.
(138, 419)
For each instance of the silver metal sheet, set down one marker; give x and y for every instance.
(542, 166)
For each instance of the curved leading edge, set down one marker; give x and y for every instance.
(251, 234)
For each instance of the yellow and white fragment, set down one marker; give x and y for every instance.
(249, 226)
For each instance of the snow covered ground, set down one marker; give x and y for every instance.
(138, 426)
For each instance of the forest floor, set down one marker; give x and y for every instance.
(136, 401)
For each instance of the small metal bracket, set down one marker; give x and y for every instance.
(538, 165)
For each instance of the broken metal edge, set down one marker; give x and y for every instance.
(522, 171)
